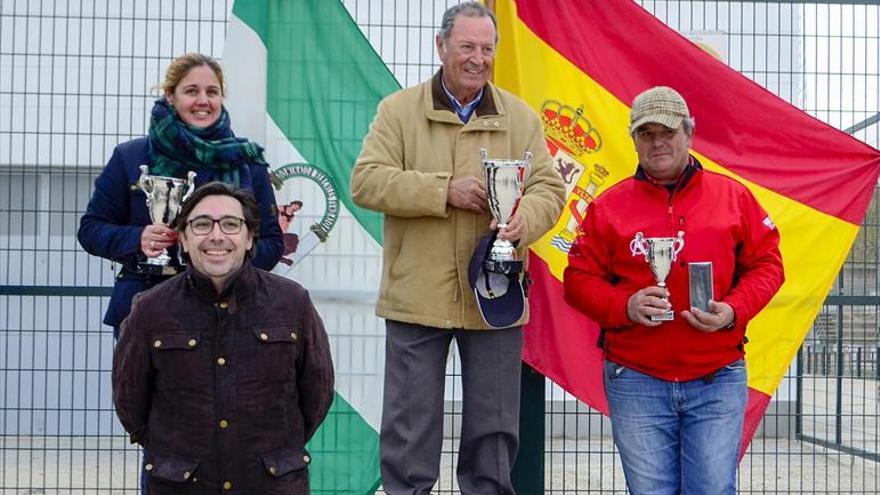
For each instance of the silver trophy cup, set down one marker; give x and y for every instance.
(505, 183)
(660, 253)
(165, 196)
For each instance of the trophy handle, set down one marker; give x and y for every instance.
(637, 245)
(190, 185)
(145, 183)
(527, 165)
(677, 245)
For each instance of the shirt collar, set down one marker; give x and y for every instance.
(463, 111)
(692, 167)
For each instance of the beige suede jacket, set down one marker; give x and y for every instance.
(416, 144)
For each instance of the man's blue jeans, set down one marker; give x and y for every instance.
(677, 437)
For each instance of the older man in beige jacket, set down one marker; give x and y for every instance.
(420, 166)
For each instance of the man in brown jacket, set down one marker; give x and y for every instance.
(420, 166)
(223, 373)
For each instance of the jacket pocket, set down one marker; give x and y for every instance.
(285, 461)
(276, 353)
(168, 468)
(177, 361)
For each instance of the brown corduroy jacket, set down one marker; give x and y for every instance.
(223, 391)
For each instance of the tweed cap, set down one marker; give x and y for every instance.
(659, 105)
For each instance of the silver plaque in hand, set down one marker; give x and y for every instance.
(700, 284)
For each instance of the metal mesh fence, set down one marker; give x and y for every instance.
(77, 78)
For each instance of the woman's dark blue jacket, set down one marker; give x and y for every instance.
(117, 214)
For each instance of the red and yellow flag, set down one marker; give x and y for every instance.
(580, 64)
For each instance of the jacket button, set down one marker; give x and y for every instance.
(293, 335)
(148, 467)
(263, 336)
(221, 360)
(307, 459)
(272, 470)
(192, 342)
(157, 344)
(186, 475)
(224, 424)
(227, 485)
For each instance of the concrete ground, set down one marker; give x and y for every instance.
(109, 465)
(34, 465)
(771, 466)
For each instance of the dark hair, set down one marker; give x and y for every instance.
(467, 9)
(249, 207)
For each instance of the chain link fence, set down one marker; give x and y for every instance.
(77, 78)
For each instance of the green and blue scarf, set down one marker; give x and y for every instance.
(177, 148)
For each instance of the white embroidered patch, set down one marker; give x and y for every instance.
(769, 223)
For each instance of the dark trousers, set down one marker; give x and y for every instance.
(412, 413)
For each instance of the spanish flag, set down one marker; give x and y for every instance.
(579, 64)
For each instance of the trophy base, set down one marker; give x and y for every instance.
(502, 251)
(505, 267)
(161, 260)
(666, 316)
(161, 270)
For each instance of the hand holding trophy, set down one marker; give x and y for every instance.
(505, 183)
(660, 253)
(165, 196)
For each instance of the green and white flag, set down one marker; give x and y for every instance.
(304, 82)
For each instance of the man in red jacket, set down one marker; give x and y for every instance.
(675, 374)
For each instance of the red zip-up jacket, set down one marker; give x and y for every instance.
(722, 223)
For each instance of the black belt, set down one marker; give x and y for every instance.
(146, 278)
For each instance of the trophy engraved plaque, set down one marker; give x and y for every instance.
(165, 196)
(700, 284)
(505, 182)
(660, 253)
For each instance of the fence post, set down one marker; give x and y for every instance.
(824, 360)
(528, 470)
(859, 362)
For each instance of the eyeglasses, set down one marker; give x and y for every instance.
(204, 225)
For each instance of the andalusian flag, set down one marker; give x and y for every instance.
(304, 82)
(579, 64)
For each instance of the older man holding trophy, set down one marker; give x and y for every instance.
(672, 263)
(422, 166)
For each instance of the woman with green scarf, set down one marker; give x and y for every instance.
(189, 131)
